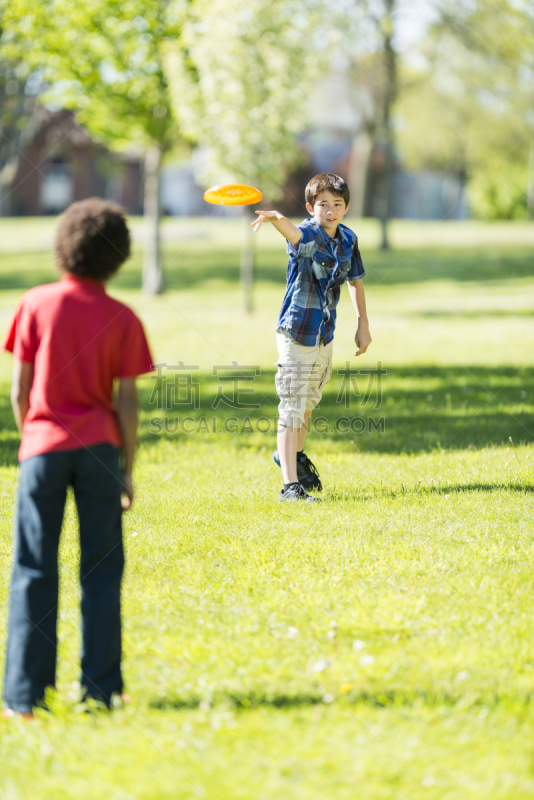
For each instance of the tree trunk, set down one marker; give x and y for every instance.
(152, 266)
(530, 187)
(386, 132)
(358, 169)
(384, 242)
(248, 261)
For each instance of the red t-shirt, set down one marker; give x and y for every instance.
(79, 339)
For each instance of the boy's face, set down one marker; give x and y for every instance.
(329, 210)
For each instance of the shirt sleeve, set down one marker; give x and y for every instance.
(21, 338)
(307, 246)
(356, 266)
(136, 358)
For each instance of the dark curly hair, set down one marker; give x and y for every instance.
(326, 181)
(92, 239)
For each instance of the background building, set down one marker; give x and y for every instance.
(60, 163)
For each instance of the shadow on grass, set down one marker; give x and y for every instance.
(462, 488)
(9, 435)
(493, 313)
(389, 697)
(419, 409)
(442, 264)
(25, 279)
(244, 701)
(191, 267)
(190, 270)
(416, 490)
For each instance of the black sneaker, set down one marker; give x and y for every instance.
(306, 472)
(308, 475)
(294, 493)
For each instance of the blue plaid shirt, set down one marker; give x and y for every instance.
(318, 267)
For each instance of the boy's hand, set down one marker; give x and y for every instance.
(362, 338)
(128, 492)
(281, 223)
(265, 216)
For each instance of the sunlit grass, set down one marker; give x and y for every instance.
(376, 646)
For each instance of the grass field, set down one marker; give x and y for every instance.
(379, 645)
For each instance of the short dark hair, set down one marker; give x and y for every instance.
(92, 239)
(326, 181)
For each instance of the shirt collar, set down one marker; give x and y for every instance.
(342, 236)
(88, 283)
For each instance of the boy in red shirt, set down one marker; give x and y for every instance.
(70, 341)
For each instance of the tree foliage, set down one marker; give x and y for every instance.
(104, 60)
(467, 111)
(101, 58)
(241, 82)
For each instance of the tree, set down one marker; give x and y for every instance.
(368, 36)
(18, 92)
(466, 111)
(472, 102)
(104, 59)
(17, 103)
(241, 79)
(385, 97)
(497, 39)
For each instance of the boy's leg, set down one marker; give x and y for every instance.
(295, 363)
(97, 484)
(287, 448)
(290, 441)
(32, 640)
(303, 431)
(319, 376)
(307, 472)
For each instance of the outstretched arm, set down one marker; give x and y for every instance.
(281, 223)
(363, 336)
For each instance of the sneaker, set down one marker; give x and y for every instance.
(307, 473)
(294, 493)
(8, 713)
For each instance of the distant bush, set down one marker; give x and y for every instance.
(502, 194)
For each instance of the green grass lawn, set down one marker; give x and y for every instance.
(379, 645)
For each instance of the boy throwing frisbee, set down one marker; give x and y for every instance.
(323, 254)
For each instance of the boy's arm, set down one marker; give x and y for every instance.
(128, 418)
(281, 223)
(20, 390)
(362, 337)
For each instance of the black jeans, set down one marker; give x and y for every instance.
(94, 474)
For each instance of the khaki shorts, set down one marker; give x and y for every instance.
(302, 374)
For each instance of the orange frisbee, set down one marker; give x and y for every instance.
(233, 194)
